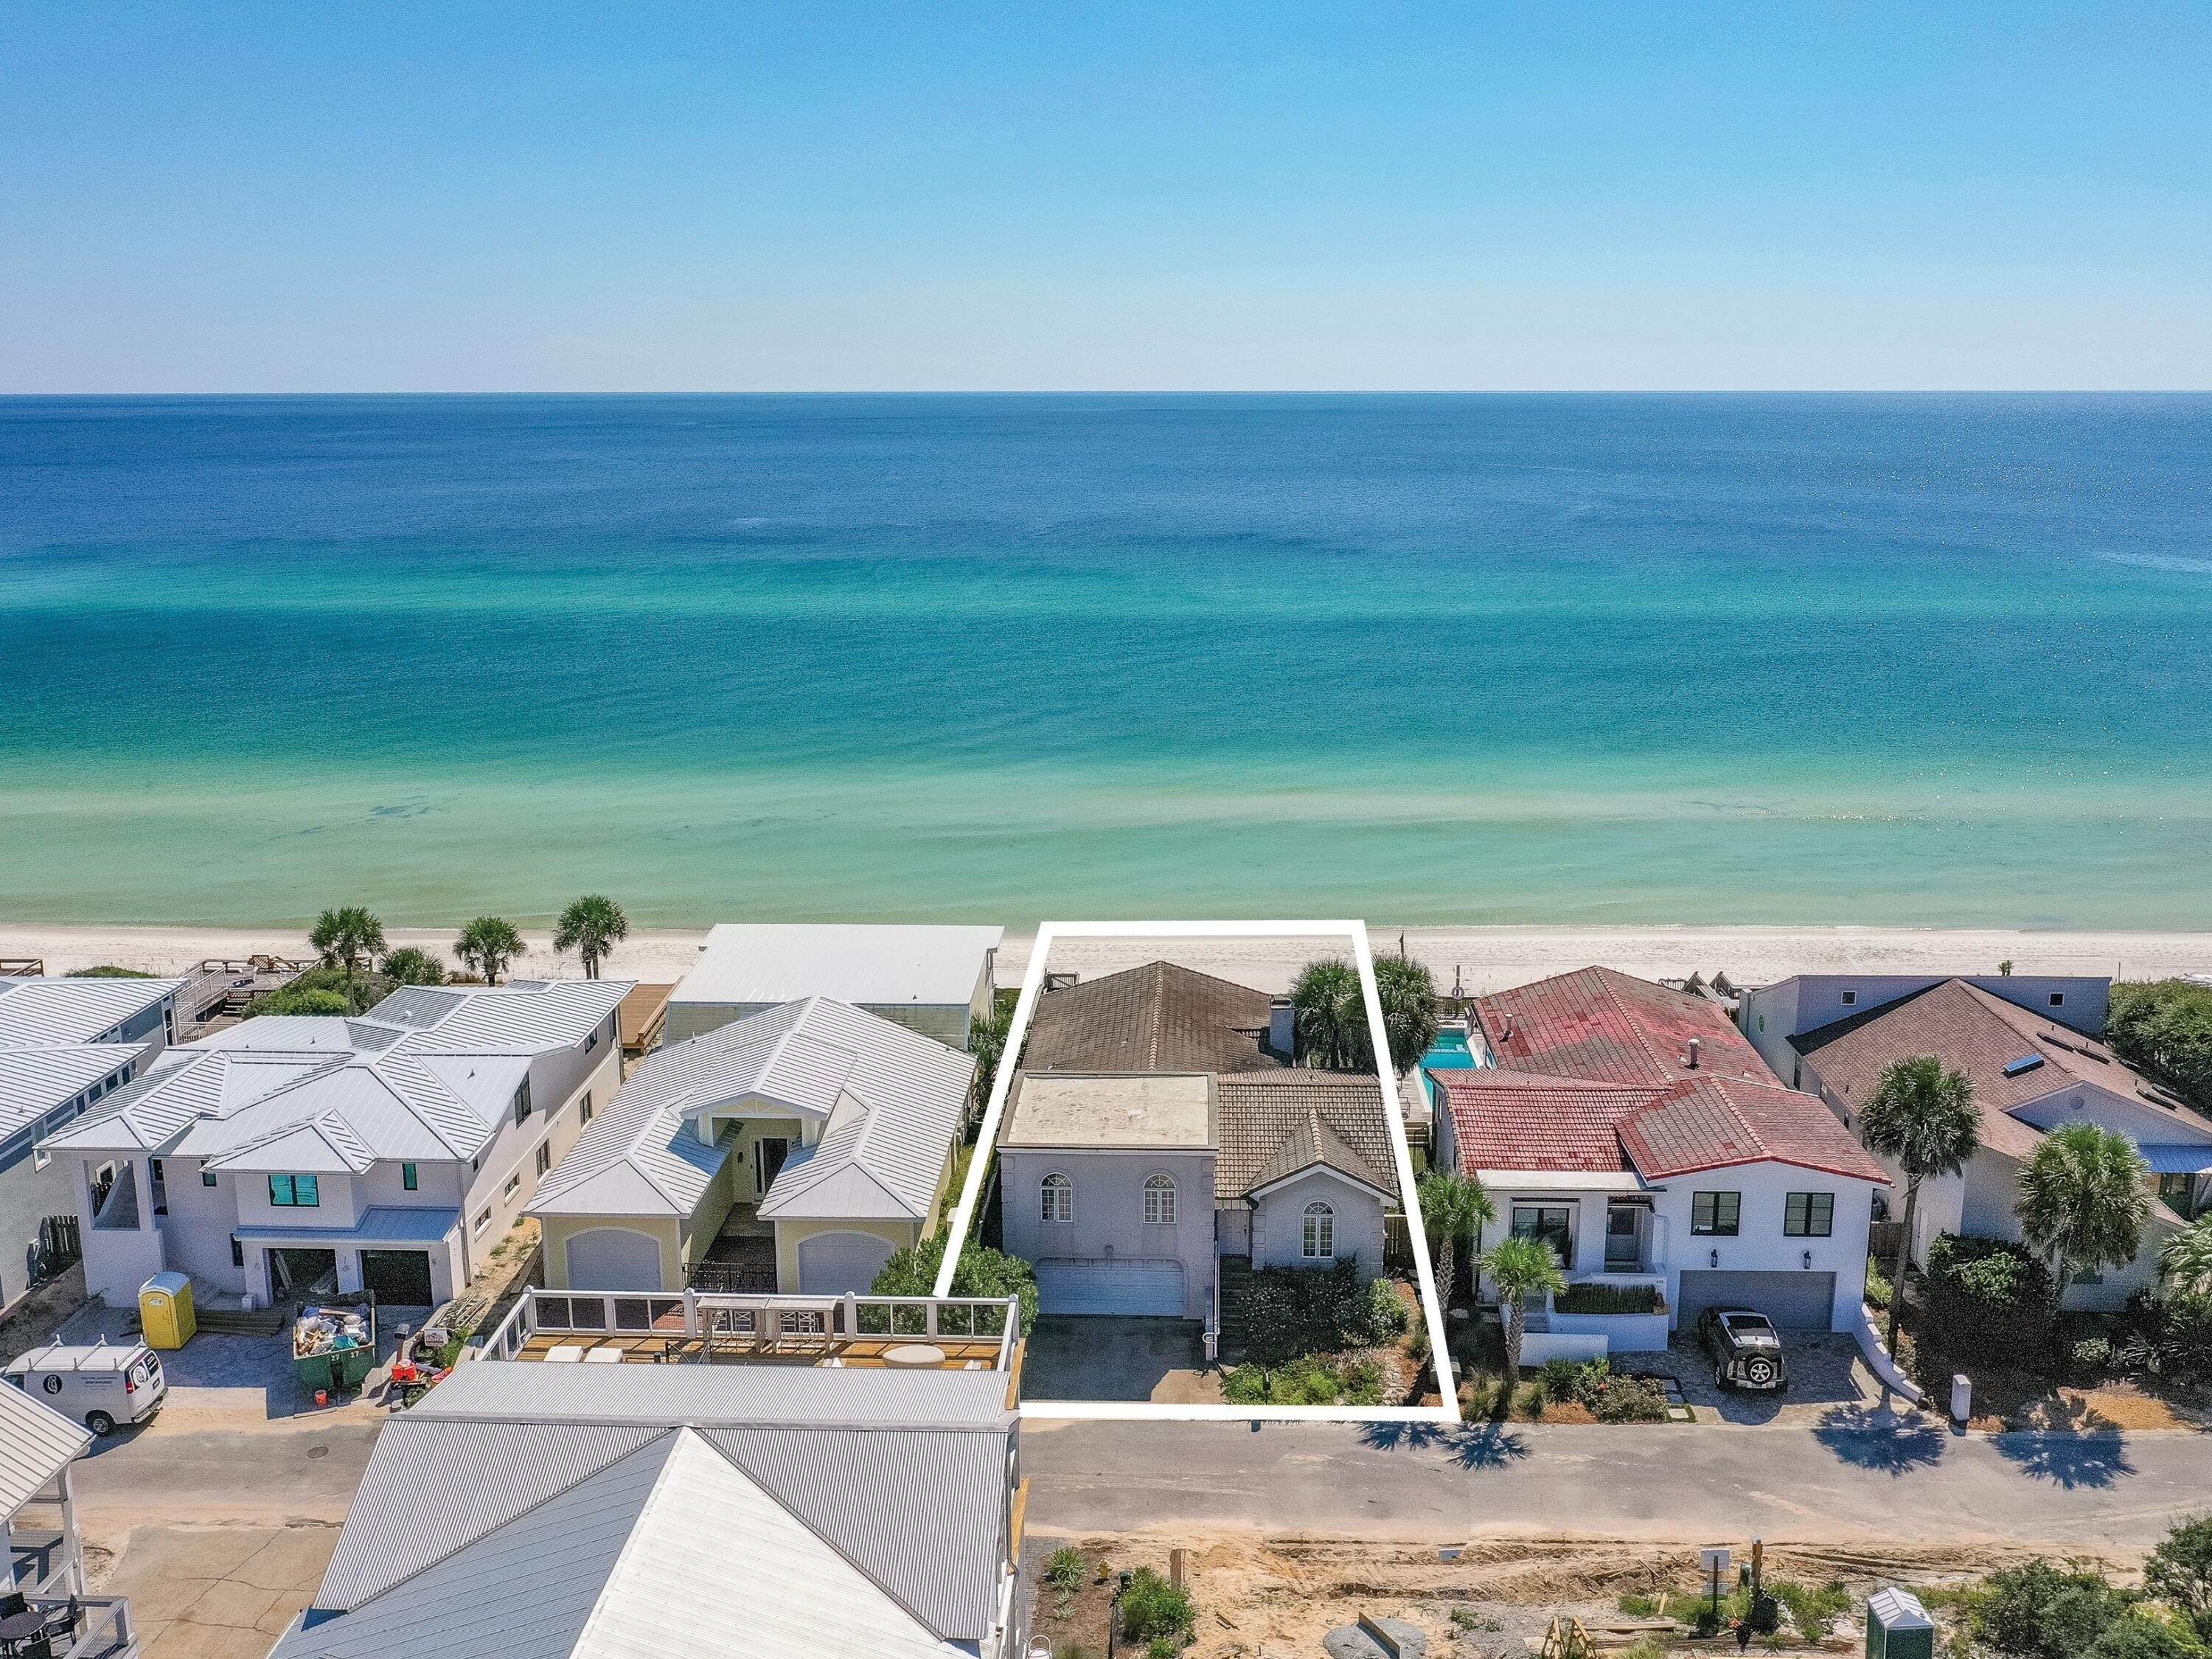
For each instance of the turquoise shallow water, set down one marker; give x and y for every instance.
(1514, 658)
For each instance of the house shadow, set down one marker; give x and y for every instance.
(1477, 1446)
(1876, 1437)
(2067, 1461)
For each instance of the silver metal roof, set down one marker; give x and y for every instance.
(36, 1444)
(46, 1011)
(382, 1224)
(764, 963)
(36, 1081)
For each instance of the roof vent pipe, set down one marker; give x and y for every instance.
(1693, 1053)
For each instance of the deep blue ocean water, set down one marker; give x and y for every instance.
(1917, 659)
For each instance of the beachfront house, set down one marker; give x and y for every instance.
(793, 1150)
(1155, 1148)
(1634, 1129)
(769, 1511)
(292, 1155)
(2025, 1046)
(45, 1553)
(935, 979)
(65, 1045)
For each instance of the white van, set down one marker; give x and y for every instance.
(102, 1385)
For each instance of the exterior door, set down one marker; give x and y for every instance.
(768, 1155)
(1624, 1238)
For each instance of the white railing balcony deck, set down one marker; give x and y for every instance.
(662, 1327)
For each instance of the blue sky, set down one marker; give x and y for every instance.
(759, 195)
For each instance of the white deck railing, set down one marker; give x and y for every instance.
(695, 1313)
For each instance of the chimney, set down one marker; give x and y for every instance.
(1282, 1035)
(1692, 1061)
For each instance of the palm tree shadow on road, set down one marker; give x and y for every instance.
(1875, 1438)
(1483, 1446)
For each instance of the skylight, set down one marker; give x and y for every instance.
(2025, 1063)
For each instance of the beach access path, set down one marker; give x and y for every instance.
(1478, 959)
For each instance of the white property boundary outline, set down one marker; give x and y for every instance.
(986, 1142)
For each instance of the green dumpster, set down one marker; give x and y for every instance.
(337, 1363)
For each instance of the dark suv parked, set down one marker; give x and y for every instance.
(1746, 1348)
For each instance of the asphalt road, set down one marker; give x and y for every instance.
(1862, 1475)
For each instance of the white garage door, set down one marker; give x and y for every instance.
(1794, 1302)
(832, 1264)
(1067, 1285)
(614, 1259)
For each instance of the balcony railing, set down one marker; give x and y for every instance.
(80, 1626)
(703, 1327)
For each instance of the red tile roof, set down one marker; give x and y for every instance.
(1612, 1027)
(1598, 1081)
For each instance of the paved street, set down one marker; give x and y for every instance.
(256, 1473)
(1857, 1475)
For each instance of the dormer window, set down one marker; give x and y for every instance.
(2058, 999)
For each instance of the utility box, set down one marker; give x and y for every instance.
(1897, 1626)
(164, 1310)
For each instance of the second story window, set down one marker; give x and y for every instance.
(295, 1191)
(207, 1177)
(1056, 1199)
(1808, 1215)
(1160, 1200)
(522, 1100)
(1715, 1215)
(407, 1178)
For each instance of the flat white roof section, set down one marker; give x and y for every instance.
(1156, 1111)
(744, 962)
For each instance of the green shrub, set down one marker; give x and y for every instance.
(2137, 1635)
(1065, 1569)
(1632, 1400)
(1290, 1311)
(1245, 1386)
(1308, 1380)
(1385, 1311)
(2092, 1357)
(1163, 1647)
(1639, 1607)
(1813, 1611)
(2038, 1611)
(106, 971)
(2180, 1572)
(1989, 1300)
(1466, 1619)
(1878, 1288)
(982, 1271)
(1591, 1299)
(2164, 1028)
(1557, 1378)
(1152, 1608)
(291, 999)
(2168, 1337)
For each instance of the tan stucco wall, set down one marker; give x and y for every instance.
(559, 1229)
(901, 1234)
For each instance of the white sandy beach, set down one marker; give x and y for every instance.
(1478, 959)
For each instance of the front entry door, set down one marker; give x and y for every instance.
(768, 1162)
(1623, 1223)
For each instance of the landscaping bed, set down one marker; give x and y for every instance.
(1316, 1338)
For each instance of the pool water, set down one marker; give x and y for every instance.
(1449, 1052)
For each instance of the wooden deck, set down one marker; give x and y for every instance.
(733, 1348)
(643, 1012)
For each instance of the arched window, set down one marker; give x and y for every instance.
(1160, 1200)
(1056, 1198)
(1320, 1240)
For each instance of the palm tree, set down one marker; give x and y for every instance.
(488, 945)
(1922, 1117)
(2084, 1197)
(986, 1041)
(2185, 1263)
(592, 928)
(408, 966)
(1409, 1009)
(347, 938)
(1453, 1207)
(1522, 1269)
(1330, 1015)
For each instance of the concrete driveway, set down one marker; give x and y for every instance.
(218, 1592)
(1084, 1357)
(1826, 1370)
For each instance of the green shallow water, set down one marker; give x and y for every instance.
(1924, 660)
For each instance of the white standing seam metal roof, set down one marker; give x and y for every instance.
(36, 1443)
(36, 1081)
(765, 964)
(891, 1102)
(35, 1011)
(604, 1520)
(330, 1094)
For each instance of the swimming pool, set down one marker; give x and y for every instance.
(1449, 1052)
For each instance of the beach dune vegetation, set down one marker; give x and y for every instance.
(408, 966)
(347, 936)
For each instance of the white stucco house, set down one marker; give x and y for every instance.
(387, 1152)
(793, 1151)
(1632, 1128)
(935, 979)
(2031, 1071)
(65, 1045)
(1127, 1190)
